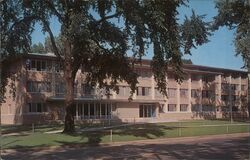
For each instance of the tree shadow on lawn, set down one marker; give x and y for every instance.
(145, 131)
(138, 131)
(94, 138)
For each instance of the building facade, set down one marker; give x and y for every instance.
(35, 94)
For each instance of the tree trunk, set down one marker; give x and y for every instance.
(248, 97)
(69, 126)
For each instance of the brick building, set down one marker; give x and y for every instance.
(206, 92)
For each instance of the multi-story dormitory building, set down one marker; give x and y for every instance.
(206, 92)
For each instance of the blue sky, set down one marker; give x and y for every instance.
(219, 52)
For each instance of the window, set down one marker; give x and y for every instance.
(60, 88)
(243, 87)
(225, 108)
(37, 107)
(86, 109)
(235, 86)
(207, 94)
(195, 77)
(235, 98)
(33, 65)
(58, 67)
(170, 76)
(184, 93)
(195, 93)
(88, 89)
(103, 109)
(43, 66)
(184, 107)
(224, 97)
(195, 108)
(208, 79)
(224, 87)
(94, 110)
(143, 91)
(172, 92)
(40, 65)
(208, 108)
(172, 107)
(33, 86)
(235, 108)
(147, 110)
(124, 91)
(143, 74)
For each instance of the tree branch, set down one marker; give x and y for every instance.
(107, 17)
(50, 5)
(25, 20)
(52, 39)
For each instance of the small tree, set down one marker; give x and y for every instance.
(38, 48)
(98, 34)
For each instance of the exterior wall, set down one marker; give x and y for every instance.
(12, 108)
(126, 111)
(16, 108)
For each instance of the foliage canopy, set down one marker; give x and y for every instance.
(98, 34)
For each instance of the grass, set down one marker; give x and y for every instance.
(125, 133)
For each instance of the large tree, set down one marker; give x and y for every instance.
(235, 14)
(97, 35)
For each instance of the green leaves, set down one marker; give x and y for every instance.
(38, 48)
(194, 32)
(99, 34)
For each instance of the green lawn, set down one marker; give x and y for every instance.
(125, 133)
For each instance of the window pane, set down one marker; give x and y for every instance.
(183, 92)
(108, 109)
(33, 64)
(194, 93)
(38, 65)
(208, 108)
(225, 108)
(145, 111)
(98, 110)
(141, 111)
(30, 107)
(39, 107)
(86, 109)
(43, 68)
(103, 108)
(34, 87)
(195, 108)
(235, 108)
(172, 92)
(29, 86)
(80, 109)
(92, 109)
(183, 107)
(172, 107)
